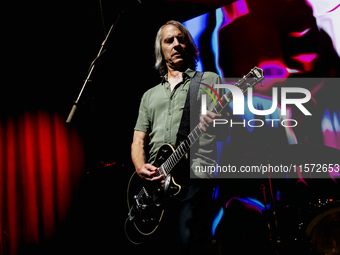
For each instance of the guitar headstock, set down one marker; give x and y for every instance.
(254, 77)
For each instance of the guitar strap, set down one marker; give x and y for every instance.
(190, 103)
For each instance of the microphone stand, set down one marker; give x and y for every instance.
(91, 68)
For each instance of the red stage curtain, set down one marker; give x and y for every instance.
(41, 160)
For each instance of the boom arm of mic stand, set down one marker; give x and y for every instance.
(101, 51)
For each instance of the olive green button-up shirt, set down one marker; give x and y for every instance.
(161, 109)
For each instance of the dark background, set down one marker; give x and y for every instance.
(47, 51)
(48, 47)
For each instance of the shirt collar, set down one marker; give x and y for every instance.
(187, 73)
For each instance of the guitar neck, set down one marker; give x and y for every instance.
(194, 135)
(177, 155)
(256, 75)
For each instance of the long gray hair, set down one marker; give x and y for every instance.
(192, 51)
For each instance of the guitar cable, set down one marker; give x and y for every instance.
(127, 236)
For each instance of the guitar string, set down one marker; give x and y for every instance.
(171, 162)
(174, 158)
(188, 142)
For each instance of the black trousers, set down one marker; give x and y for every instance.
(196, 214)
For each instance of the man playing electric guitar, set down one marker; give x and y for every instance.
(159, 119)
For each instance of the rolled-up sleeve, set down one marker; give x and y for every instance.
(143, 123)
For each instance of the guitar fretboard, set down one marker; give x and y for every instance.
(250, 80)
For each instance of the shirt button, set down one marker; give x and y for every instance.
(167, 129)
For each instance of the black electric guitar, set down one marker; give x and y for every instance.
(146, 199)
